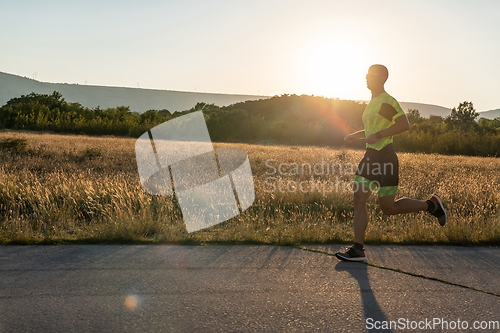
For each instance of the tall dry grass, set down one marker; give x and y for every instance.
(74, 188)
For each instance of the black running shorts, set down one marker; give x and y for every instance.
(379, 169)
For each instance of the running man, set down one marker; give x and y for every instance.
(383, 118)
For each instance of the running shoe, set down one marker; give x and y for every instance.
(439, 210)
(352, 254)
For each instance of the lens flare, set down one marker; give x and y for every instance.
(130, 302)
(337, 122)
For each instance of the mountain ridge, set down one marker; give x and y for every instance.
(490, 114)
(141, 99)
(138, 99)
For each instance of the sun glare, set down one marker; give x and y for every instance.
(335, 69)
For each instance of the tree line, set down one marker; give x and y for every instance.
(285, 119)
(460, 133)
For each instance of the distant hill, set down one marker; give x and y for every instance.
(492, 114)
(426, 110)
(139, 100)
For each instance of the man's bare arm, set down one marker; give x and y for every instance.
(400, 125)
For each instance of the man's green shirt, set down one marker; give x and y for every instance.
(380, 114)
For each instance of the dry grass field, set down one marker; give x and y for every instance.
(81, 189)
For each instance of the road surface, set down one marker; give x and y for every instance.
(171, 288)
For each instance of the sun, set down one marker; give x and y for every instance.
(335, 69)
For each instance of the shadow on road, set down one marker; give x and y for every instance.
(371, 308)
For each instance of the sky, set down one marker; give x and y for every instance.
(440, 52)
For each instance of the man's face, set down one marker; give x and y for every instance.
(370, 79)
(374, 79)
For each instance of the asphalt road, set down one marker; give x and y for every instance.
(102, 288)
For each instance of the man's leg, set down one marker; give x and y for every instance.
(361, 195)
(401, 206)
(407, 205)
(357, 252)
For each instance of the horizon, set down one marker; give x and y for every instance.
(215, 93)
